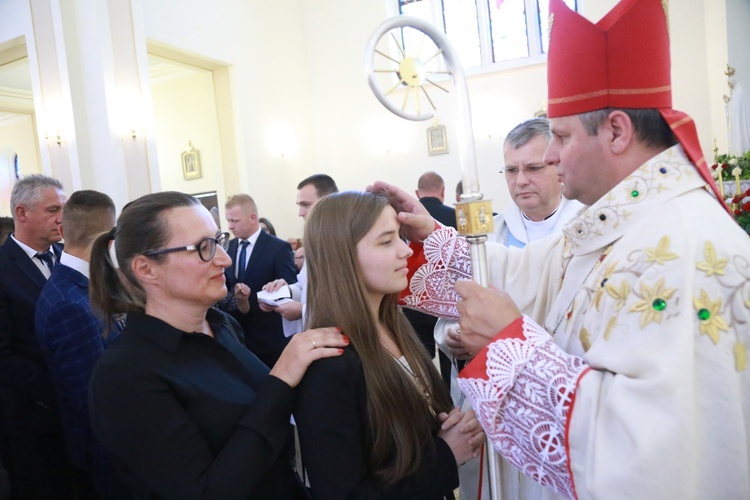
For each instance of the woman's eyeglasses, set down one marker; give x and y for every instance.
(206, 247)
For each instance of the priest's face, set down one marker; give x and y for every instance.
(532, 183)
(580, 160)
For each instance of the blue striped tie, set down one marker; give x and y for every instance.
(242, 259)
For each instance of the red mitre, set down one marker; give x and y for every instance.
(620, 62)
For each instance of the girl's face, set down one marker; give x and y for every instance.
(382, 256)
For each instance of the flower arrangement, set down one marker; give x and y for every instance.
(735, 167)
(741, 208)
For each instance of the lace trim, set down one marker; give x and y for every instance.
(431, 287)
(524, 405)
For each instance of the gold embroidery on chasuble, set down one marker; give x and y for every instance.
(709, 313)
(583, 336)
(653, 302)
(621, 285)
(712, 265)
(620, 294)
(610, 327)
(661, 253)
(740, 356)
(715, 316)
(602, 285)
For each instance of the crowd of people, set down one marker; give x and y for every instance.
(136, 373)
(607, 360)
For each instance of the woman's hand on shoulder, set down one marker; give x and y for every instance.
(306, 347)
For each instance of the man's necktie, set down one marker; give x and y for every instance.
(46, 257)
(242, 259)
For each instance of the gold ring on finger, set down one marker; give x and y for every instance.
(313, 342)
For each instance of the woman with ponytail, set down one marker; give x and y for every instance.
(185, 409)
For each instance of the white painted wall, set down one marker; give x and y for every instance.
(263, 43)
(297, 66)
(185, 110)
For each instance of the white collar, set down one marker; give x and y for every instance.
(253, 237)
(27, 249)
(74, 262)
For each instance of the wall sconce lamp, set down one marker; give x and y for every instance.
(55, 138)
(135, 133)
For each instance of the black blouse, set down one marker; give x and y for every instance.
(190, 416)
(332, 421)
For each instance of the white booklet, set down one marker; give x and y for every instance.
(280, 296)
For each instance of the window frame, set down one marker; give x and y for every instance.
(533, 34)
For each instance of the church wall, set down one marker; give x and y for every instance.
(185, 111)
(262, 42)
(301, 103)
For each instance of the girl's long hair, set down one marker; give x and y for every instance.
(401, 422)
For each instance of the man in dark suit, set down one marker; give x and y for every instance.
(431, 193)
(70, 337)
(35, 447)
(257, 258)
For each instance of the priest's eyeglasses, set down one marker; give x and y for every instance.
(206, 247)
(529, 171)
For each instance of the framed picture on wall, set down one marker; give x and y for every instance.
(191, 163)
(210, 200)
(437, 142)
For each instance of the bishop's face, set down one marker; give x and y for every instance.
(579, 159)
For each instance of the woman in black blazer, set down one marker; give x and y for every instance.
(185, 409)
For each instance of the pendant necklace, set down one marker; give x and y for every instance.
(417, 381)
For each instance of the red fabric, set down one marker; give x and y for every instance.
(414, 262)
(477, 367)
(622, 61)
(684, 129)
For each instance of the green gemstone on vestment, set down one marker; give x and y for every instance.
(659, 304)
(704, 314)
(634, 193)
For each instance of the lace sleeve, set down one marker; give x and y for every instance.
(523, 390)
(431, 287)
